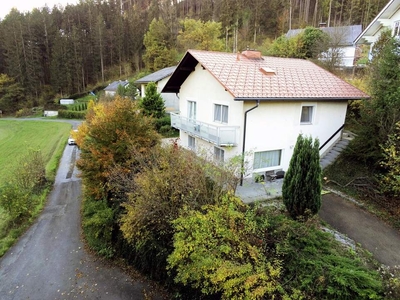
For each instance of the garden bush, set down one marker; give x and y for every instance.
(70, 114)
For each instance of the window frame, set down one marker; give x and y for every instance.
(268, 166)
(191, 109)
(191, 142)
(223, 115)
(217, 154)
(396, 28)
(311, 116)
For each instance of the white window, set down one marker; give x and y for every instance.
(306, 114)
(396, 30)
(266, 159)
(191, 142)
(219, 154)
(192, 110)
(220, 113)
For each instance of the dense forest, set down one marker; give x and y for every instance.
(61, 51)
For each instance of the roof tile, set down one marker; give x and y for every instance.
(294, 78)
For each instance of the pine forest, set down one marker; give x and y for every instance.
(62, 51)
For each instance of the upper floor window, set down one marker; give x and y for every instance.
(192, 110)
(220, 113)
(266, 159)
(307, 114)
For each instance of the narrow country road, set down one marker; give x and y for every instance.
(50, 262)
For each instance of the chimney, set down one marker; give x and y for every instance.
(252, 54)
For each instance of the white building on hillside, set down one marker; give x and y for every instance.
(234, 104)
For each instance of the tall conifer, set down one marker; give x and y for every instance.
(301, 188)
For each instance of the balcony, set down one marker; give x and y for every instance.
(218, 135)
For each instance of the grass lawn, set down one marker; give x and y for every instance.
(16, 139)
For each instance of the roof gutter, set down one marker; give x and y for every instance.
(300, 99)
(244, 139)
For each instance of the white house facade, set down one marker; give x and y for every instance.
(235, 104)
(388, 18)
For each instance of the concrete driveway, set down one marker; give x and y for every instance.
(50, 262)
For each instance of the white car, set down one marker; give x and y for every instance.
(71, 140)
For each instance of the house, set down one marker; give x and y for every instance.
(160, 78)
(234, 104)
(341, 40)
(112, 88)
(388, 18)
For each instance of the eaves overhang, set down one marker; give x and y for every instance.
(299, 99)
(185, 67)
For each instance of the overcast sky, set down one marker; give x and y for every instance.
(28, 5)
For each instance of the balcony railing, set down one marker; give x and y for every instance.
(218, 135)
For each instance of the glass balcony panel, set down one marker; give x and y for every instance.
(218, 135)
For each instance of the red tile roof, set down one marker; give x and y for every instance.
(281, 78)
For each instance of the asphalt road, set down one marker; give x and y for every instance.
(374, 235)
(50, 262)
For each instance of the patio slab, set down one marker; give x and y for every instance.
(252, 191)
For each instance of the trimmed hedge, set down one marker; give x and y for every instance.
(69, 114)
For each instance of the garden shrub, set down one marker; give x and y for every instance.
(219, 251)
(70, 114)
(98, 224)
(18, 196)
(171, 179)
(317, 265)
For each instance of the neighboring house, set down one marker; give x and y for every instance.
(111, 89)
(160, 78)
(388, 18)
(234, 104)
(341, 40)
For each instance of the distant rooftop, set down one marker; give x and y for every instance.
(157, 76)
(113, 86)
(345, 35)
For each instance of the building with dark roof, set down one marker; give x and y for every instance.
(341, 41)
(160, 78)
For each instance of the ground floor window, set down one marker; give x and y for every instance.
(219, 154)
(191, 142)
(266, 159)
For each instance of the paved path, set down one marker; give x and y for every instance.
(374, 235)
(50, 262)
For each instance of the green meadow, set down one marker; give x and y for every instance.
(17, 138)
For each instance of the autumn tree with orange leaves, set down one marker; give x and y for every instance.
(104, 138)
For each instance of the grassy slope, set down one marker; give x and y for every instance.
(17, 137)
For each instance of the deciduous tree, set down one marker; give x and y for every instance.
(201, 35)
(104, 139)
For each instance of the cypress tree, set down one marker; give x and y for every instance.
(301, 188)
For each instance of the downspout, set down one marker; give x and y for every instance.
(244, 139)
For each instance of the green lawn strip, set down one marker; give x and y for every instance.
(16, 138)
